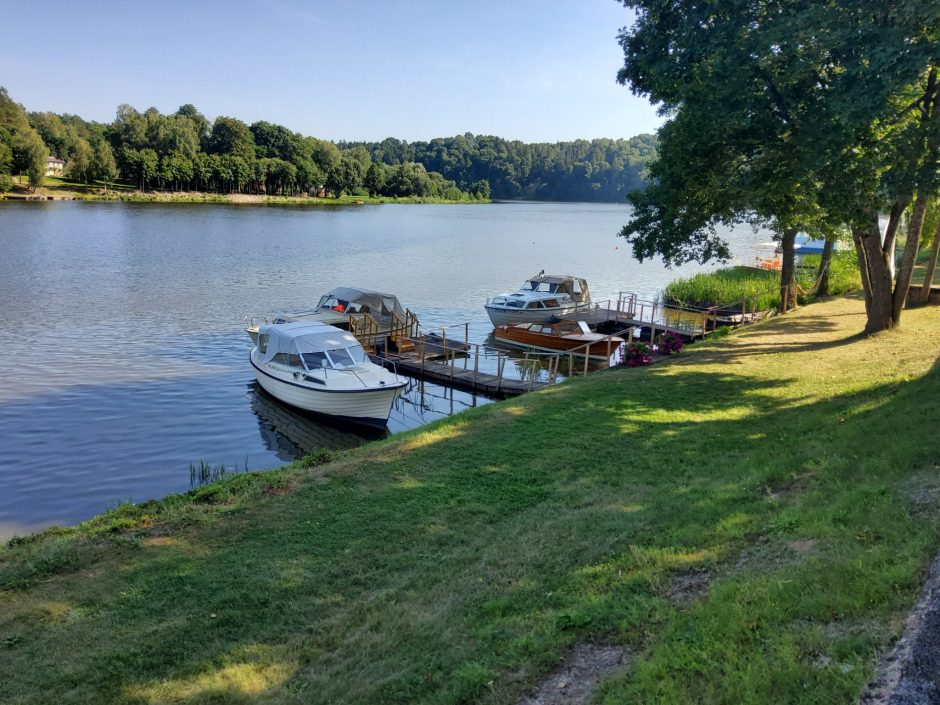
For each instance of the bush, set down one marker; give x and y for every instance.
(6, 183)
(636, 355)
(669, 343)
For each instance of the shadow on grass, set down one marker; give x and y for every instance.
(459, 571)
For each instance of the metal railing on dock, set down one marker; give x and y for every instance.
(447, 356)
(457, 362)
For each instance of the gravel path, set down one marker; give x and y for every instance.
(910, 673)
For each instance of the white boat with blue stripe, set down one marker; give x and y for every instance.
(320, 368)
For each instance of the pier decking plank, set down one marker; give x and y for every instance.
(409, 363)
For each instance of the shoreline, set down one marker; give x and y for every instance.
(46, 195)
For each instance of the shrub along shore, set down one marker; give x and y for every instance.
(751, 519)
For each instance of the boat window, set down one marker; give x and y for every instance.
(569, 329)
(263, 343)
(315, 360)
(535, 304)
(551, 303)
(577, 286)
(341, 358)
(513, 304)
(289, 359)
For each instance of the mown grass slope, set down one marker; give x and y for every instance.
(751, 520)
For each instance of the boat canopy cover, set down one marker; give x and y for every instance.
(379, 304)
(576, 287)
(301, 337)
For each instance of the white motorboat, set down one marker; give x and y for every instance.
(321, 368)
(341, 305)
(541, 298)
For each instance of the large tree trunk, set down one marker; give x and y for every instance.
(922, 295)
(857, 238)
(822, 274)
(911, 248)
(873, 262)
(788, 291)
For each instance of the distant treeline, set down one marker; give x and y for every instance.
(184, 151)
(582, 170)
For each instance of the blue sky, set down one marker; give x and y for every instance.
(535, 70)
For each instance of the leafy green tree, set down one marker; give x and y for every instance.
(199, 121)
(310, 178)
(6, 159)
(80, 165)
(57, 136)
(29, 156)
(148, 166)
(105, 167)
(231, 136)
(345, 176)
(374, 180)
(773, 119)
(202, 171)
(480, 189)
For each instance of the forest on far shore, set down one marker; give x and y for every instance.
(185, 151)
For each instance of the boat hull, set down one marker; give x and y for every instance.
(554, 344)
(367, 406)
(503, 316)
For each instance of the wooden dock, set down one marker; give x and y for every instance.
(450, 374)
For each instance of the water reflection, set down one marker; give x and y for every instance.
(291, 433)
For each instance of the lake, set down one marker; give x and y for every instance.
(130, 361)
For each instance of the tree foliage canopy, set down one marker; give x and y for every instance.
(797, 115)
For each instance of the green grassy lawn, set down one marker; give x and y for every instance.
(751, 520)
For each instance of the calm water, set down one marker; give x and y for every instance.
(128, 358)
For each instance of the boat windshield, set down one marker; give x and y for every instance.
(543, 287)
(335, 349)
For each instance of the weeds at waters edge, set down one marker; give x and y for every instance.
(204, 473)
(761, 288)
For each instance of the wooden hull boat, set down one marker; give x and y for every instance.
(564, 336)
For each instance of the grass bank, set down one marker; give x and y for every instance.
(68, 190)
(750, 520)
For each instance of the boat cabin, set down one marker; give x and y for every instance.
(521, 301)
(575, 287)
(309, 346)
(346, 299)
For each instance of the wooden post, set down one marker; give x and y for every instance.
(476, 365)
(586, 359)
(499, 369)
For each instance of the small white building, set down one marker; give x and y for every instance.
(54, 166)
